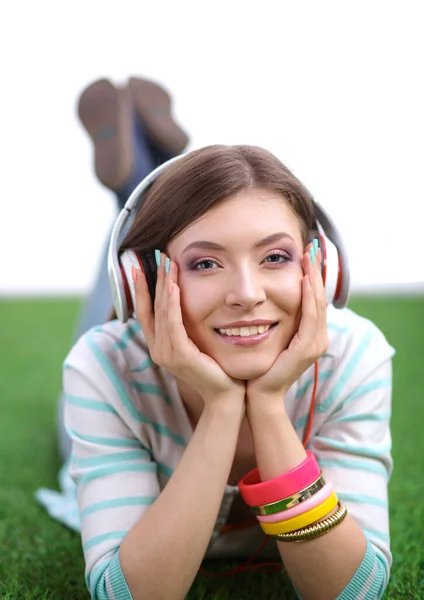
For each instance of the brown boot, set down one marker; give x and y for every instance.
(153, 105)
(106, 113)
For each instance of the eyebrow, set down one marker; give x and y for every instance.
(269, 239)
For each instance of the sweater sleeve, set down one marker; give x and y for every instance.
(111, 463)
(353, 448)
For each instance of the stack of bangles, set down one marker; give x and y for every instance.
(293, 507)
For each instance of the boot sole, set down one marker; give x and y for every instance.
(153, 104)
(105, 113)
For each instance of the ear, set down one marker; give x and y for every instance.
(129, 259)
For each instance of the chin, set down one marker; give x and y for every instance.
(246, 371)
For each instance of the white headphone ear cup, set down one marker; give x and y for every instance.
(128, 259)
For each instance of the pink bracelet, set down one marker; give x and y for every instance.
(257, 493)
(301, 508)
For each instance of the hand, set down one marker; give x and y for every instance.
(308, 344)
(169, 344)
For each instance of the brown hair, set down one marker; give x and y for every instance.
(196, 182)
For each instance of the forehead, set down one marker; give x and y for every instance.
(251, 215)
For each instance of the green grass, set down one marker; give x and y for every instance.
(40, 559)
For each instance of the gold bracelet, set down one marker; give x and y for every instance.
(294, 500)
(315, 530)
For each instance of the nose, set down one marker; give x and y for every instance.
(245, 289)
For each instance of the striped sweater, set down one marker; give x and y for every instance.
(129, 429)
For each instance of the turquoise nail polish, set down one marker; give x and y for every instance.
(312, 255)
(167, 265)
(157, 257)
(316, 246)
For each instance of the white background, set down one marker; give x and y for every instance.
(335, 89)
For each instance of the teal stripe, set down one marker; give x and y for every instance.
(89, 403)
(361, 450)
(382, 416)
(117, 580)
(379, 535)
(112, 469)
(149, 388)
(104, 441)
(165, 431)
(118, 502)
(129, 334)
(351, 463)
(67, 366)
(164, 469)
(95, 578)
(368, 387)
(108, 459)
(147, 363)
(125, 397)
(346, 374)
(322, 376)
(104, 537)
(383, 561)
(363, 498)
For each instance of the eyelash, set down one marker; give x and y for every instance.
(281, 254)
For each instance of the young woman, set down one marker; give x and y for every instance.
(234, 403)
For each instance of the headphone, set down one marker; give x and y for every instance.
(335, 263)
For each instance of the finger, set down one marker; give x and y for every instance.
(314, 273)
(321, 299)
(161, 306)
(308, 321)
(307, 326)
(160, 279)
(162, 322)
(143, 307)
(177, 331)
(318, 287)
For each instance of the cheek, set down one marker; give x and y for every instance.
(196, 304)
(288, 293)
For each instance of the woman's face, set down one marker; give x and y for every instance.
(239, 266)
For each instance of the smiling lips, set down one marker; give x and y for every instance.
(245, 331)
(246, 336)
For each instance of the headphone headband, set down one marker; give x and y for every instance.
(335, 264)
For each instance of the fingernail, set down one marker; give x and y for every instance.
(316, 246)
(167, 265)
(312, 255)
(157, 257)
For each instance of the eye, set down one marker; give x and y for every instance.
(205, 264)
(277, 258)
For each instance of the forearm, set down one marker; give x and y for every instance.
(319, 569)
(162, 553)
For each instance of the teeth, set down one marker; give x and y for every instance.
(245, 331)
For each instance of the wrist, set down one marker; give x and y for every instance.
(265, 404)
(226, 407)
